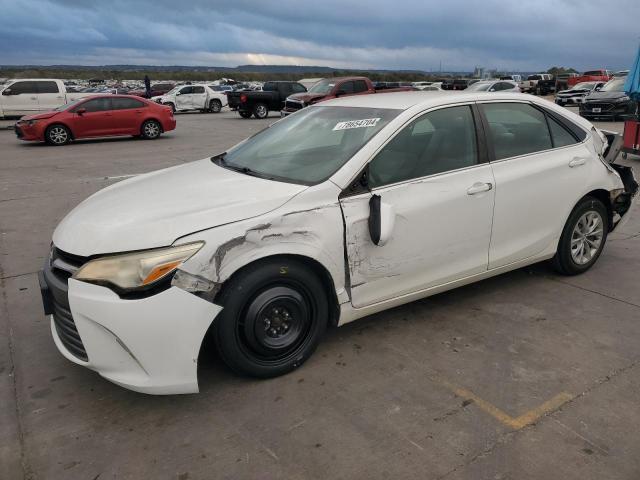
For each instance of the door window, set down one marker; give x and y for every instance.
(437, 142)
(516, 129)
(346, 88)
(186, 90)
(360, 86)
(560, 135)
(47, 87)
(95, 105)
(24, 88)
(297, 88)
(198, 89)
(122, 103)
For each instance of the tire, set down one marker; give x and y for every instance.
(57, 135)
(261, 111)
(150, 130)
(583, 237)
(173, 107)
(274, 316)
(244, 114)
(215, 106)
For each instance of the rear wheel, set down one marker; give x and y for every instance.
(151, 130)
(260, 111)
(583, 237)
(215, 106)
(244, 114)
(273, 318)
(57, 135)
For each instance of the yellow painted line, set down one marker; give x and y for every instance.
(516, 423)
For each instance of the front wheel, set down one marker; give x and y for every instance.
(261, 111)
(583, 237)
(57, 135)
(151, 130)
(273, 318)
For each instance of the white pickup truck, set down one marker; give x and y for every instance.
(193, 97)
(26, 96)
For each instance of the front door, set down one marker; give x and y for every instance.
(432, 176)
(20, 98)
(184, 98)
(96, 120)
(198, 98)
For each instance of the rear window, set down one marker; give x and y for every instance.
(121, 103)
(593, 72)
(48, 87)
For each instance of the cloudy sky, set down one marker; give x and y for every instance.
(413, 34)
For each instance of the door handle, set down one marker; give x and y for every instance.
(479, 187)
(577, 161)
(34, 98)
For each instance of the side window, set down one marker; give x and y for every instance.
(504, 86)
(19, 88)
(516, 129)
(561, 137)
(346, 87)
(297, 88)
(95, 105)
(198, 89)
(360, 86)
(437, 142)
(186, 90)
(122, 103)
(47, 87)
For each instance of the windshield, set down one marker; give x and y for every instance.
(614, 86)
(479, 87)
(584, 86)
(322, 87)
(173, 90)
(309, 146)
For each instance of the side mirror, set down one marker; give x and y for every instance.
(492, 89)
(382, 218)
(7, 91)
(178, 93)
(81, 111)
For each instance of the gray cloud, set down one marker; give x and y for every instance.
(362, 34)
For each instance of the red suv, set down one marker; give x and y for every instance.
(97, 116)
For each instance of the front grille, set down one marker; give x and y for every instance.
(58, 270)
(289, 105)
(603, 106)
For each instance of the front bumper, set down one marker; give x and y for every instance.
(148, 345)
(606, 109)
(569, 100)
(28, 133)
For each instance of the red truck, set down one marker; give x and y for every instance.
(329, 88)
(591, 76)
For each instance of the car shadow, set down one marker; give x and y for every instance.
(88, 141)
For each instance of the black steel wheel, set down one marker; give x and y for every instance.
(274, 315)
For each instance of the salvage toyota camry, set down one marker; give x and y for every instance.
(341, 210)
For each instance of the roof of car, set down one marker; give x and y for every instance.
(406, 100)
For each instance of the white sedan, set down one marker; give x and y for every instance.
(344, 209)
(494, 86)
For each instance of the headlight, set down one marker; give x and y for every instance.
(622, 99)
(139, 270)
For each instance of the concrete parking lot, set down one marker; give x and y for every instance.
(528, 375)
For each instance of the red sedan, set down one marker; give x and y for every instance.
(97, 116)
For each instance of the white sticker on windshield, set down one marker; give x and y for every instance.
(365, 122)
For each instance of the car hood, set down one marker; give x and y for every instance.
(574, 91)
(40, 116)
(600, 96)
(155, 209)
(306, 97)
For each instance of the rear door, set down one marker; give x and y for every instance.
(539, 168)
(49, 94)
(434, 178)
(20, 98)
(128, 113)
(97, 119)
(198, 97)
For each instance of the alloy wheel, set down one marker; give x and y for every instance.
(58, 135)
(586, 237)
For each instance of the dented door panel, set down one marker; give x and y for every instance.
(441, 234)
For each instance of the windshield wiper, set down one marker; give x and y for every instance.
(220, 160)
